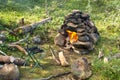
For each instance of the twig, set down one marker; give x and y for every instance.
(54, 76)
(3, 53)
(53, 55)
(22, 40)
(19, 47)
(31, 27)
(41, 22)
(11, 32)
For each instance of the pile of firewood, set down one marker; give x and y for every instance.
(78, 33)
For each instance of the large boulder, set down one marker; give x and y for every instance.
(9, 72)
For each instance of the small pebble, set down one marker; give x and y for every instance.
(100, 55)
(1, 42)
(36, 40)
(106, 59)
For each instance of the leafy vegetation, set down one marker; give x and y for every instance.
(104, 13)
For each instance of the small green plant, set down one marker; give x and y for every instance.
(1, 27)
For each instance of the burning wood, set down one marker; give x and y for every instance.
(77, 31)
(73, 36)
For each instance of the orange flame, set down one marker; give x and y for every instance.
(72, 35)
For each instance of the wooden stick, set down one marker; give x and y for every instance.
(41, 22)
(53, 55)
(11, 59)
(31, 27)
(54, 76)
(62, 59)
(22, 40)
(19, 47)
(11, 32)
(3, 53)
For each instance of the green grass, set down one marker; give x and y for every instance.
(104, 13)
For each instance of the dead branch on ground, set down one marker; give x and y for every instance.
(55, 76)
(11, 59)
(22, 40)
(31, 27)
(3, 53)
(53, 55)
(19, 47)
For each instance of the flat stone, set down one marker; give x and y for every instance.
(95, 37)
(85, 16)
(80, 30)
(83, 38)
(59, 40)
(62, 59)
(71, 25)
(81, 69)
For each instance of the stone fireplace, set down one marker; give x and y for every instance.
(77, 33)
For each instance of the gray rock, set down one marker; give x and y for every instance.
(81, 69)
(84, 38)
(59, 40)
(117, 55)
(36, 40)
(9, 72)
(95, 37)
(2, 37)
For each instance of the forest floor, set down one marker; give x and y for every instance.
(105, 14)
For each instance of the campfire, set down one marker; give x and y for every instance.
(72, 36)
(77, 33)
